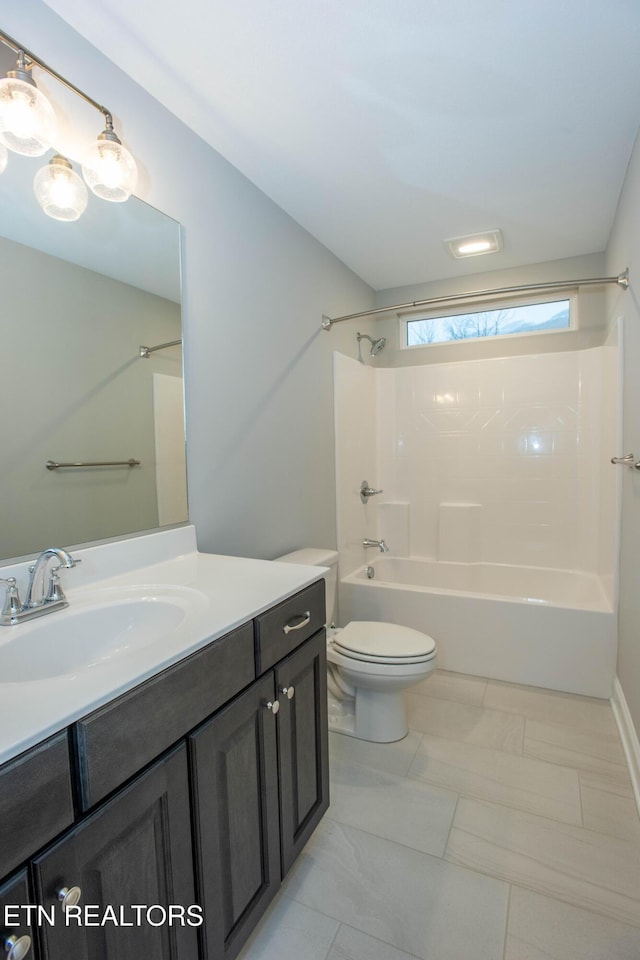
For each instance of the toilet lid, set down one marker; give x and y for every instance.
(383, 642)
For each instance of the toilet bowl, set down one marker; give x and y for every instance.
(369, 665)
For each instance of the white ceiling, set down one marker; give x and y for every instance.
(386, 126)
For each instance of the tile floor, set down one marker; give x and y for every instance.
(502, 828)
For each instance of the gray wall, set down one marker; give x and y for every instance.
(591, 330)
(258, 367)
(624, 250)
(77, 390)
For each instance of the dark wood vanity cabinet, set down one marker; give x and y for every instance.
(303, 755)
(234, 778)
(135, 849)
(260, 786)
(235, 792)
(117, 740)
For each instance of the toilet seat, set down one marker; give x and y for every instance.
(373, 642)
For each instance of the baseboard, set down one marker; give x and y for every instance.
(629, 737)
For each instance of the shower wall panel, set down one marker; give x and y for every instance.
(523, 437)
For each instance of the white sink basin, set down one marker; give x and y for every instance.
(92, 634)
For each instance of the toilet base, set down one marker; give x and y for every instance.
(380, 717)
(377, 718)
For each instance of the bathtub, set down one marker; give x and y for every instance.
(532, 625)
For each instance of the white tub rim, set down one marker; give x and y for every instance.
(358, 576)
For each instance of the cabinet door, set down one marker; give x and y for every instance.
(235, 791)
(301, 682)
(14, 893)
(136, 849)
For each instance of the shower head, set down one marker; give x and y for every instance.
(376, 345)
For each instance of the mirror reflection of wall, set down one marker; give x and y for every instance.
(74, 387)
(78, 300)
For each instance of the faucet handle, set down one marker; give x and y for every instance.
(54, 591)
(12, 605)
(366, 491)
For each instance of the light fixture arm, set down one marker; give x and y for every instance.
(22, 69)
(23, 66)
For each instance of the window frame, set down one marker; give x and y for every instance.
(485, 305)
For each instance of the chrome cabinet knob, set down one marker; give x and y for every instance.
(17, 947)
(69, 896)
(288, 692)
(273, 705)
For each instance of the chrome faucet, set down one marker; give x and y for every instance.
(376, 543)
(37, 603)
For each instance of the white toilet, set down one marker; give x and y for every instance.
(369, 664)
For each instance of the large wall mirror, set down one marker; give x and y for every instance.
(78, 301)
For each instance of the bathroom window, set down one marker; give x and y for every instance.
(493, 320)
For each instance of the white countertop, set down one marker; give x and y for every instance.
(226, 592)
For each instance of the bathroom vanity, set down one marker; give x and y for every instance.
(198, 785)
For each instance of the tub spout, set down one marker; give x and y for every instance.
(376, 543)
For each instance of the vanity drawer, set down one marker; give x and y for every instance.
(117, 740)
(36, 800)
(284, 627)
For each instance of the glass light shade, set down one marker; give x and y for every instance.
(60, 191)
(27, 120)
(3, 157)
(110, 170)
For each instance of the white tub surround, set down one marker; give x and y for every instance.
(219, 594)
(495, 474)
(520, 444)
(459, 535)
(394, 526)
(499, 461)
(538, 626)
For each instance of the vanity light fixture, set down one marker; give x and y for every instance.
(27, 120)
(109, 168)
(59, 190)
(27, 126)
(475, 244)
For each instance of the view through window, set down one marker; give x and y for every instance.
(525, 318)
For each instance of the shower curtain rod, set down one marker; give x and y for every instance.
(147, 351)
(622, 280)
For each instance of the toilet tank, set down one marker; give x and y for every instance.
(319, 557)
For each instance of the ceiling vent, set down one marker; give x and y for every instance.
(475, 245)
